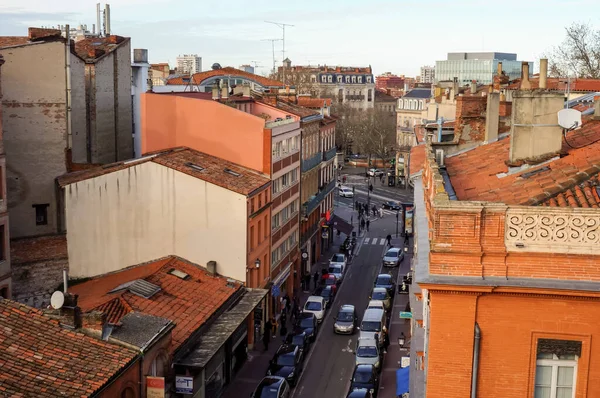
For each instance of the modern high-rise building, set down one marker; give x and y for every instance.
(247, 68)
(427, 74)
(477, 66)
(189, 64)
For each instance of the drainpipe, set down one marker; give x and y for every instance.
(68, 78)
(475, 361)
(440, 124)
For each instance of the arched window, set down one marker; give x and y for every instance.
(4, 292)
(128, 393)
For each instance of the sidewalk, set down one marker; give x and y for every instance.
(255, 368)
(392, 360)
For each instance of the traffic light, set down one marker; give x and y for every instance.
(393, 161)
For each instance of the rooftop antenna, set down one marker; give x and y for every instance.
(273, 45)
(256, 64)
(282, 26)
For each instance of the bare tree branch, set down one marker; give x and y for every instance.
(578, 54)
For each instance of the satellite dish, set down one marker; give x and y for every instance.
(57, 300)
(216, 66)
(569, 119)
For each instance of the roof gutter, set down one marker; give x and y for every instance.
(475, 371)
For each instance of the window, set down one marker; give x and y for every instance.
(252, 237)
(266, 222)
(313, 79)
(368, 79)
(284, 180)
(556, 368)
(2, 243)
(275, 221)
(360, 79)
(41, 214)
(260, 200)
(294, 175)
(251, 205)
(323, 78)
(339, 79)
(329, 78)
(353, 79)
(370, 95)
(128, 393)
(259, 235)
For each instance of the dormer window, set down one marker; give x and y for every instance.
(339, 79)
(330, 78)
(360, 79)
(324, 79)
(353, 79)
(368, 79)
(347, 79)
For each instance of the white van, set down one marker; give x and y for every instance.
(372, 323)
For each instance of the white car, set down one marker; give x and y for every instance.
(346, 192)
(378, 304)
(315, 305)
(375, 172)
(367, 352)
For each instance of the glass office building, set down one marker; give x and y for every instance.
(477, 66)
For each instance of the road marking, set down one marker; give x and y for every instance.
(382, 241)
(367, 241)
(347, 348)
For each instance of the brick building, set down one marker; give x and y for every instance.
(506, 294)
(388, 80)
(5, 261)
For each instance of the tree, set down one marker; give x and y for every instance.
(578, 54)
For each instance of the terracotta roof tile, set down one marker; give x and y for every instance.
(39, 358)
(383, 97)
(567, 181)
(295, 109)
(29, 250)
(93, 48)
(417, 159)
(561, 84)
(215, 170)
(188, 303)
(317, 103)
(198, 78)
(9, 41)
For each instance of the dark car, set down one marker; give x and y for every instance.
(390, 204)
(300, 340)
(272, 387)
(330, 280)
(327, 293)
(306, 323)
(365, 377)
(362, 393)
(386, 281)
(286, 363)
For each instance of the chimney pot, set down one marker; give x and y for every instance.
(543, 73)
(499, 71)
(525, 83)
(211, 267)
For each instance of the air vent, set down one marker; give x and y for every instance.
(194, 166)
(233, 173)
(179, 274)
(144, 288)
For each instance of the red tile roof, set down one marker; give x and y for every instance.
(9, 41)
(561, 84)
(295, 109)
(198, 78)
(188, 303)
(474, 173)
(318, 103)
(383, 97)
(39, 358)
(417, 159)
(237, 178)
(31, 250)
(94, 48)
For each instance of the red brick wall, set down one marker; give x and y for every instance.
(470, 118)
(507, 347)
(505, 108)
(129, 379)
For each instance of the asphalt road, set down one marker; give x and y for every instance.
(330, 362)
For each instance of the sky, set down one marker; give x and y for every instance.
(392, 36)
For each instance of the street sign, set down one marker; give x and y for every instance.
(405, 315)
(184, 385)
(155, 387)
(304, 255)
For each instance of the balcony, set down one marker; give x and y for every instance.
(355, 97)
(315, 200)
(311, 162)
(330, 154)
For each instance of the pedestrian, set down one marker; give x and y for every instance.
(352, 190)
(283, 327)
(274, 327)
(283, 317)
(368, 223)
(344, 179)
(356, 205)
(405, 238)
(386, 340)
(288, 303)
(316, 279)
(306, 282)
(267, 334)
(284, 301)
(362, 223)
(381, 178)
(389, 239)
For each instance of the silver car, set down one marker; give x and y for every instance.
(345, 321)
(381, 293)
(367, 352)
(393, 257)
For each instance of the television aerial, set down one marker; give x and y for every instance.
(57, 300)
(569, 119)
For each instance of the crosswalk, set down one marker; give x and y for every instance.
(374, 241)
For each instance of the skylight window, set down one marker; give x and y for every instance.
(233, 173)
(179, 274)
(194, 166)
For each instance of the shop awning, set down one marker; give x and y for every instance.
(222, 328)
(402, 380)
(341, 225)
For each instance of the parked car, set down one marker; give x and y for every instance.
(272, 387)
(345, 192)
(345, 320)
(286, 363)
(391, 205)
(316, 306)
(374, 173)
(386, 281)
(338, 259)
(337, 270)
(327, 293)
(300, 340)
(365, 377)
(393, 257)
(330, 280)
(307, 323)
(362, 393)
(376, 304)
(381, 293)
(367, 352)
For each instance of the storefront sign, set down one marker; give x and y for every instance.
(155, 387)
(404, 362)
(184, 385)
(325, 234)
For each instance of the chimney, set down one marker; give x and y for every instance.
(211, 267)
(225, 89)
(543, 73)
(455, 86)
(140, 55)
(596, 103)
(69, 315)
(499, 71)
(492, 117)
(215, 92)
(525, 83)
(535, 133)
(473, 87)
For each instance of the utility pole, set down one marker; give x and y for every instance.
(256, 64)
(282, 26)
(273, 45)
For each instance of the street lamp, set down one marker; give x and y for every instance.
(397, 218)
(257, 263)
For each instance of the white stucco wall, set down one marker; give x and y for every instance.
(149, 211)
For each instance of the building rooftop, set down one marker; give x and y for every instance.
(93, 48)
(31, 250)
(561, 84)
(417, 159)
(39, 358)
(422, 93)
(139, 329)
(314, 103)
(197, 164)
(569, 180)
(170, 288)
(10, 41)
(296, 110)
(384, 97)
(227, 72)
